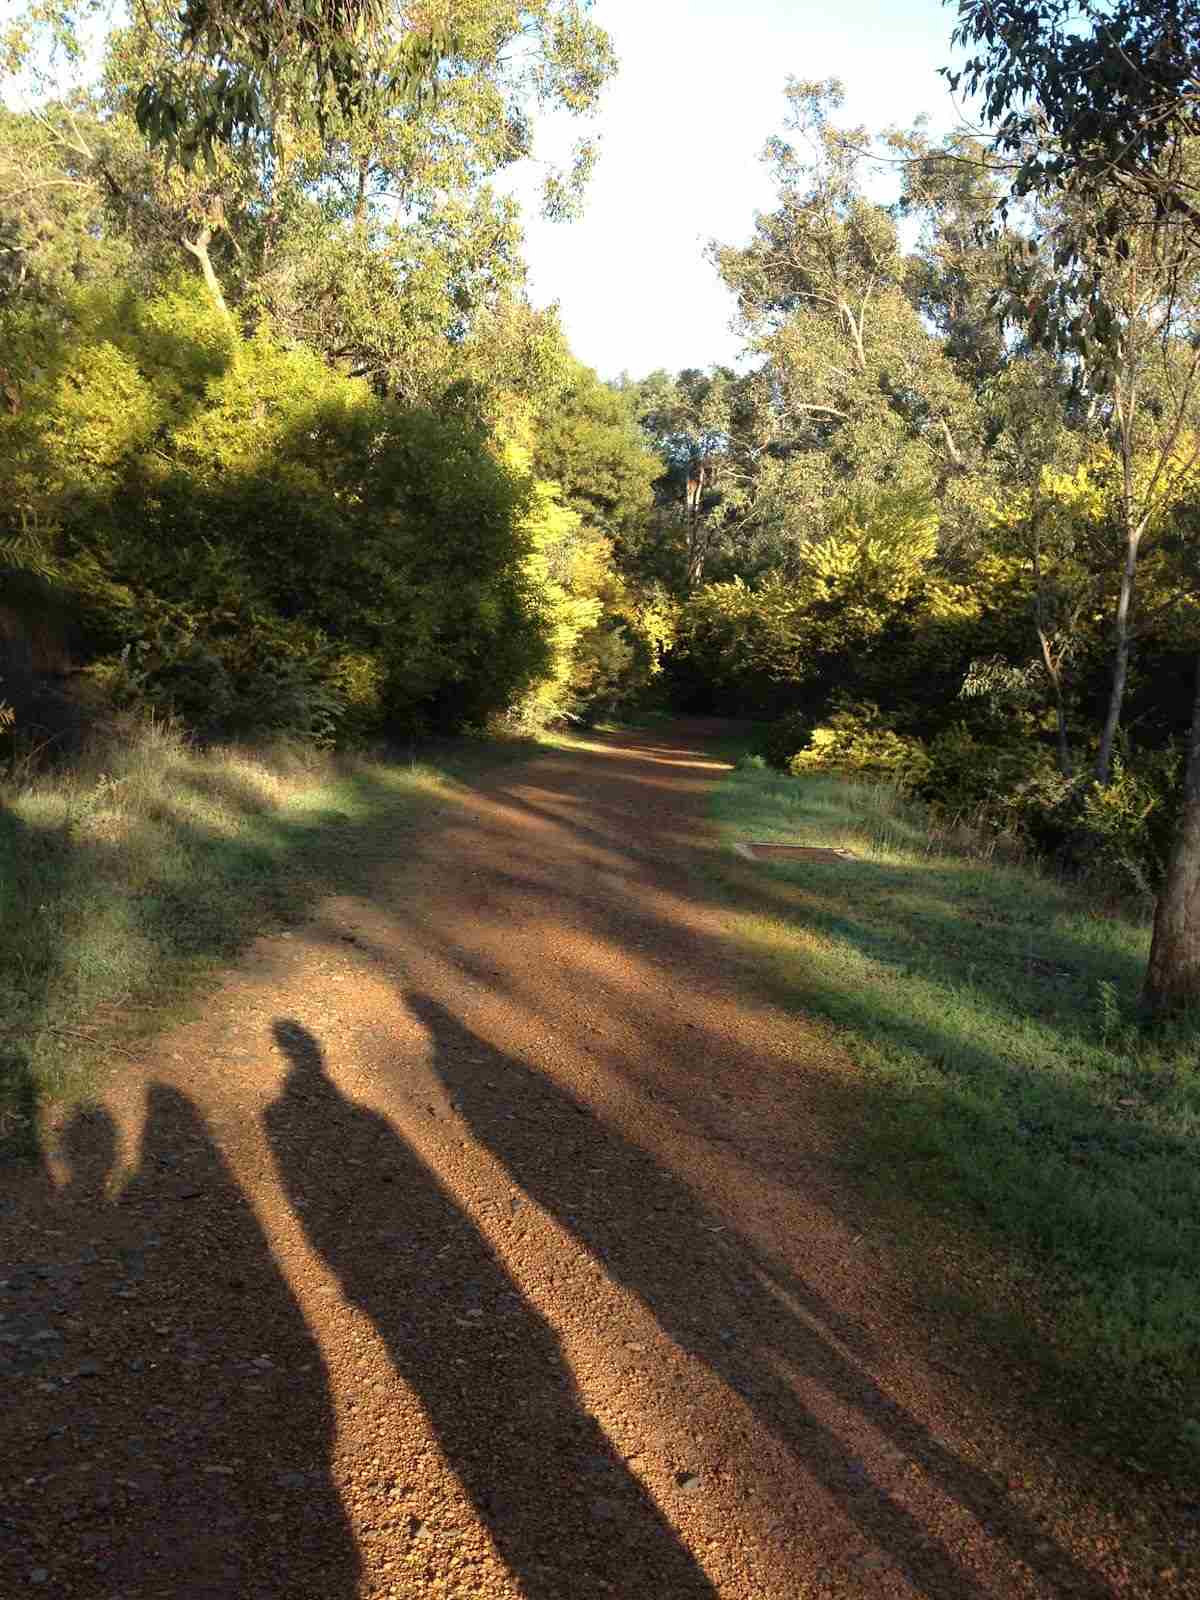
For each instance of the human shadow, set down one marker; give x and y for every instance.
(565, 1512)
(750, 1322)
(178, 1422)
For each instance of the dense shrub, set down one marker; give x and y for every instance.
(1119, 834)
(855, 740)
(969, 772)
(255, 541)
(779, 741)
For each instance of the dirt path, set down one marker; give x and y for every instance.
(485, 1238)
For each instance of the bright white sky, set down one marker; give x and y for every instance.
(699, 91)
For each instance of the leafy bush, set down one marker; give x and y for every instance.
(256, 542)
(970, 773)
(856, 741)
(225, 688)
(779, 741)
(1119, 833)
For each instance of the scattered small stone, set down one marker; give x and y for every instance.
(688, 1482)
(39, 1575)
(190, 1193)
(87, 1369)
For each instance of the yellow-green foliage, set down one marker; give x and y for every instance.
(605, 643)
(855, 742)
(567, 568)
(848, 588)
(253, 539)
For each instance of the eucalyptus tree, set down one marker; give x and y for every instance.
(1098, 97)
(367, 229)
(1098, 100)
(854, 387)
(699, 423)
(1036, 442)
(958, 265)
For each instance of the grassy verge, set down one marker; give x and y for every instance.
(1009, 1093)
(129, 879)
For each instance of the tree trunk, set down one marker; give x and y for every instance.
(198, 247)
(1116, 695)
(1062, 737)
(1173, 975)
(1053, 666)
(360, 198)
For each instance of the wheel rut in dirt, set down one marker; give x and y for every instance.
(487, 1237)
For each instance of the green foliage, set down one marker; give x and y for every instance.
(587, 440)
(1118, 834)
(975, 775)
(777, 742)
(854, 741)
(262, 541)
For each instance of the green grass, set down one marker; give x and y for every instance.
(1008, 1092)
(130, 878)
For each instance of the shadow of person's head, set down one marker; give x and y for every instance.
(88, 1150)
(300, 1047)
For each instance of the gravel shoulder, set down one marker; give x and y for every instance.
(487, 1237)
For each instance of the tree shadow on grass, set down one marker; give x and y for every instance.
(565, 1512)
(965, 1113)
(168, 1426)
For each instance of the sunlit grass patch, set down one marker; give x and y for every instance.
(129, 876)
(1008, 1086)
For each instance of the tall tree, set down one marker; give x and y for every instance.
(1099, 99)
(856, 389)
(697, 425)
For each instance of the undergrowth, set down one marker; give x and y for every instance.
(1011, 1090)
(131, 875)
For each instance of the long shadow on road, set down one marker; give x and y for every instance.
(166, 1425)
(747, 1322)
(565, 1512)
